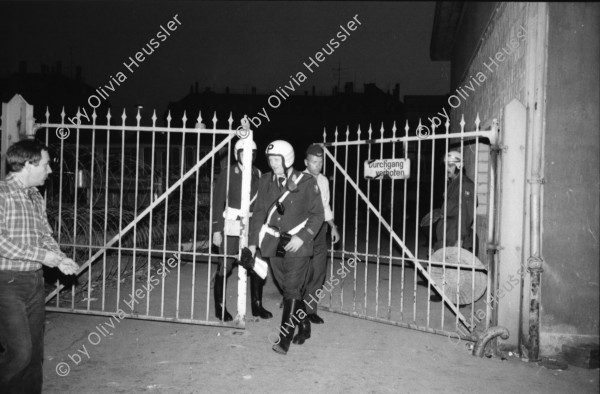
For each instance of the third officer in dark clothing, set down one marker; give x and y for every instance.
(460, 204)
(287, 215)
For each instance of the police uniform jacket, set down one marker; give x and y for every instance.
(300, 204)
(235, 193)
(454, 209)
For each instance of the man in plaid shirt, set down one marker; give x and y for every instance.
(26, 244)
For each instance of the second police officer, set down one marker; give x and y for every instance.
(288, 213)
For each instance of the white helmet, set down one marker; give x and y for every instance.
(455, 158)
(239, 145)
(284, 149)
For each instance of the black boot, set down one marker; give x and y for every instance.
(256, 290)
(219, 303)
(288, 325)
(303, 326)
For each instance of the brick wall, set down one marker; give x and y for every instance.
(487, 85)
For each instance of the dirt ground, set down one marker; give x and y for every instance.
(345, 354)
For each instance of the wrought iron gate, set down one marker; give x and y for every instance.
(132, 206)
(374, 270)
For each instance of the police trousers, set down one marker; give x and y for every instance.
(290, 274)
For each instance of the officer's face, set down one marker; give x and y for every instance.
(314, 164)
(451, 171)
(276, 164)
(241, 156)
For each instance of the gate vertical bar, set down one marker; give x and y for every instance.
(370, 132)
(391, 251)
(378, 258)
(194, 242)
(166, 177)
(107, 165)
(460, 199)
(356, 212)
(247, 138)
(91, 196)
(416, 252)
(432, 189)
(135, 207)
(402, 272)
(344, 203)
(150, 222)
(180, 209)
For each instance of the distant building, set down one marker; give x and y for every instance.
(51, 89)
(299, 118)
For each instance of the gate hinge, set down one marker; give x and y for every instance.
(537, 180)
(499, 148)
(494, 247)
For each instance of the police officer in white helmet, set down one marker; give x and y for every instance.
(226, 232)
(287, 215)
(460, 201)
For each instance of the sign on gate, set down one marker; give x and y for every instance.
(387, 169)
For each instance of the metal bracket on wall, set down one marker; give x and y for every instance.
(494, 247)
(499, 148)
(541, 181)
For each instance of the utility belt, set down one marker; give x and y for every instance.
(273, 242)
(232, 225)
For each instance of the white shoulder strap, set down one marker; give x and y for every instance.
(283, 197)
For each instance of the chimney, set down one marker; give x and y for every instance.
(397, 91)
(23, 67)
(313, 90)
(253, 90)
(227, 90)
(196, 87)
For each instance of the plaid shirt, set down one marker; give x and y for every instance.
(25, 234)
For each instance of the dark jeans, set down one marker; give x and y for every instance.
(290, 273)
(22, 312)
(317, 270)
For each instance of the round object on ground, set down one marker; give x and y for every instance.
(451, 279)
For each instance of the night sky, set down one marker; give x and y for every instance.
(236, 44)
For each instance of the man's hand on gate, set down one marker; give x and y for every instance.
(52, 259)
(68, 266)
(217, 238)
(295, 243)
(335, 234)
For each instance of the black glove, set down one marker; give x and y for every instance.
(247, 260)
